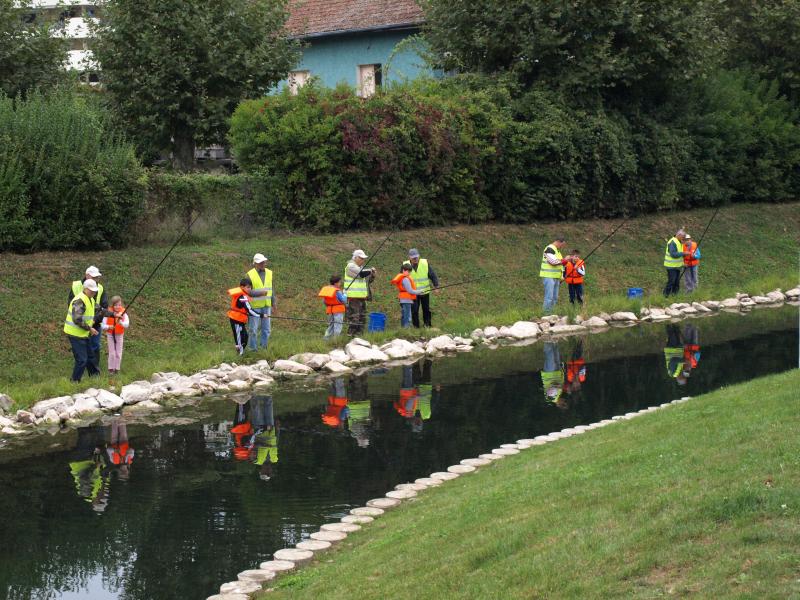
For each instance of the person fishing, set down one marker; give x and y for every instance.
(552, 272)
(425, 279)
(673, 262)
(262, 300)
(239, 312)
(356, 285)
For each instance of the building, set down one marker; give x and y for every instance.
(357, 42)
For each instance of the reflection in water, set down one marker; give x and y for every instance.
(196, 509)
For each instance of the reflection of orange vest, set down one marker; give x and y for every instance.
(119, 454)
(691, 248)
(240, 433)
(236, 313)
(689, 354)
(406, 405)
(572, 275)
(576, 368)
(113, 323)
(332, 305)
(333, 412)
(398, 283)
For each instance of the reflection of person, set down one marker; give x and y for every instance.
(408, 400)
(119, 451)
(552, 374)
(673, 354)
(336, 410)
(88, 468)
(242, 431)
(264, 443)
(576, 369)
(691, 348)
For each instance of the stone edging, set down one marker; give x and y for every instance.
(144, 396)
(254, 581)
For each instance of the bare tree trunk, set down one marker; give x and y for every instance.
(183, 151)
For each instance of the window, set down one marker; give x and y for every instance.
(298, 79)
(369, 79)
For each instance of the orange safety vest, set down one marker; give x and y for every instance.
(576, 368)
(689, 351)
(691, 248)
(572, 275)
(119, 454)
(113, 323)
(332, 305)
(398, 283)
(406, 405)
(333, 412)
(237, 314)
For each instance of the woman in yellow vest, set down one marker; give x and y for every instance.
(262, 299)
(79, 327)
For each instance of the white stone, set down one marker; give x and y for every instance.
(6, 422)
(522, 330)
(679, 305)
(477, 334)
(317, 545)
(689, 310)
(401, 494)
(109, 401)
(793, 293)
(505, 451)
(491, 332)
(50, 418)
(761, 299)
(504, 332)
(59, 404)
(5, 403)
(462, 341)
(257, 575)
(367, 511)
(164, 376)
(356, 519)
(339, 355)
(460, 469)
(441, 343)
(290, 366)
(475, 462)
(700, 307)
(595, 323)
(671, 312)
(623, 316)
(84, 406)
(429, 481)
(341, 527)
(8, 430)
(359, 354)
(730, 303)
(231, 596)
(240, 587)
(145, 406)
(491, 456)
(331, 536)
(444, 476)
(336, 368)
(317, 361)
(383, 503)
(135, 392)
(25, 417)
(417, 487)
(776, 296)
(567, 329)
(712, 304)
(294, 555)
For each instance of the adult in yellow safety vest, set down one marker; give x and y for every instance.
(426, 280)
(673, 262)
(552, 272)
(263, 302)
(79, 327)
(356, 286)
(101, 303)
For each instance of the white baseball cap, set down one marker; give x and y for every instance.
(259, 258)
(93, 272)
(90, 284)
(359, 254)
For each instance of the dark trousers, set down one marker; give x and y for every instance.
(83, 353)
(240, 336)
(356, 315)
(94, 341)
(576, 293)
(673, 282)
(425, 302)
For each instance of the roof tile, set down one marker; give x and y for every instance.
(309, 17)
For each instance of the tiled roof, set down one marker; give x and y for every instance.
(314, 17)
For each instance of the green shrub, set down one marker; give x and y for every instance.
(66, 180)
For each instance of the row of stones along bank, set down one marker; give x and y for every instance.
(142, 397)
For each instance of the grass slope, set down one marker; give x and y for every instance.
(701, 499)
(179, 322)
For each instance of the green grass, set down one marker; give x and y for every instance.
(701, 499)
(179, 321)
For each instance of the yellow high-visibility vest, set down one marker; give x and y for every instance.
(70, 328)
(420, 276)
(77, 288)
(673, 263)
(260, 285)
(548, 270)
(355, 287)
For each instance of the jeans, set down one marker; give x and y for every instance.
(253, 324)
(673, 282)
(576, 293)
(405, 315)
(83, 353)
(335, 322)
(551, 285)
(690, 277)
(424, 301)
(94, 340)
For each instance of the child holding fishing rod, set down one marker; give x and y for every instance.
(115, 325)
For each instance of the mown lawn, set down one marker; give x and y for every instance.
(701, 499)
(179, 322)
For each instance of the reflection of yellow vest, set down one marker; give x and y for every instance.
(267, 447)
(78, 468)
(420, 276)
(260, 285)
(425, 394)
(552, 379)
(548, 270)
(88, 317)
(359, 411)
(673, 263)
(669, 355)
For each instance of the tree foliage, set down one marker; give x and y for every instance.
(176, 69)
(30, 57)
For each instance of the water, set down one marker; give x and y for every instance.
(194, 508)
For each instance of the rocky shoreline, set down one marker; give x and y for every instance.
(149, 396)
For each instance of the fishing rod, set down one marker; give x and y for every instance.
(312, 320)
(378, 249)
(608, 237)
(700, 241)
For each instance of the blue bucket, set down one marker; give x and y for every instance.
(377, 321)
(635, 293)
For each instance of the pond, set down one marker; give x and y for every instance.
(124, 509)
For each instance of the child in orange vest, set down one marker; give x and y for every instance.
(335, 305)
(239, 311)
(115, 326)
(574, 271)
(406, 293)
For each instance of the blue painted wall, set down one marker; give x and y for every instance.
(335, 59)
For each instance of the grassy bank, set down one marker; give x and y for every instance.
(701, 499)
(179, 322)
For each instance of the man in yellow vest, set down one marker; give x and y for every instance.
(425, 279)
(101, 303)
(262, 301)
(673, 262)
(356, 286)
(552, 272)
(79, 327)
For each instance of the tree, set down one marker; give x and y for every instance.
(30, 57)
(176, 69)
(619, 50)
